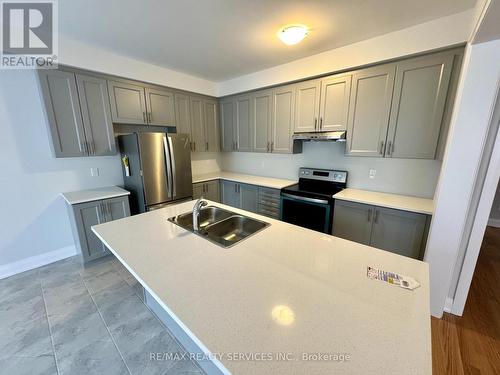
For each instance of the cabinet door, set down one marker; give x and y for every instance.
(261, 121)
(212, 190)
(182, 114)
(230, 194)
(243, 123)
(128, 103)
(96, 114)
(62, 108)
(283, 119)
(87, 215)
(352, 221)
(400, 232)
(307, 106)
(160, 107)
(249, 195)
(198, 190)
(197, 124)
(116, 208)
(227, 124)
(211, 126)
(369, 110)
(420, 91)
(334, 104)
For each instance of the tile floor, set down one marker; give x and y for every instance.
(68, 319)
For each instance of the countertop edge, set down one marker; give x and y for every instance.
(220, 176)
(96, 198)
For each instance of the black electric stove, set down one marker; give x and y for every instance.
(310, 202)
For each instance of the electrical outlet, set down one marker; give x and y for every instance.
(94, 172)
(372, 173)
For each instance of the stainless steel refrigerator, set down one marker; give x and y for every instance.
(159, 169)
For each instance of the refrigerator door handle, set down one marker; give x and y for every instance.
(166, 149)
(173, 171)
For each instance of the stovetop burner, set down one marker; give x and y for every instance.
(318, 183)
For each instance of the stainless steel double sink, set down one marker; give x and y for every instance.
(220, 226)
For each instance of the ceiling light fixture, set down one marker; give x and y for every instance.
(292, 34)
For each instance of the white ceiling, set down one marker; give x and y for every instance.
(222, 39)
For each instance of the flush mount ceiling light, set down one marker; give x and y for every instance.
(292, 34)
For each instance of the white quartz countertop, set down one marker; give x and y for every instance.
(275, 183)
(82, 196)
(225, 298)
(399, 202)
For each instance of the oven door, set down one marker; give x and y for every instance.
(312, 213)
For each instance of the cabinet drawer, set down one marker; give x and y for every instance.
(269, 212)
(269, 202)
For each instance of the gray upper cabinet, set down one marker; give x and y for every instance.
(243, 123)
(160, 107)
(398, 231)
(369, 109)
(60, 97)
(334, 102)
(283, 119)
(352, 221)
(420, 91)
(128, 104)
(261, 121)
(211, 126)
(306, 106)
(228, 124)
(197, 124)
(96, 115)
(183, 114)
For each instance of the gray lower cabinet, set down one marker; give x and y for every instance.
(84, 215)
(369, 110)
(128, 103)
(209, 190)
(238, 195)
(397, 231)
(269, 202)
(352, 221)
(78, 113)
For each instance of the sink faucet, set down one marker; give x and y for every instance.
(200, 203)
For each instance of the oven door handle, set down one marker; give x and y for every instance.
(304, 199)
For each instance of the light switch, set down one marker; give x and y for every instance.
(94, 172)
(373, 173)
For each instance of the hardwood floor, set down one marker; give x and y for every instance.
(470, 344)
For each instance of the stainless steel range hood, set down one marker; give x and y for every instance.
(338, 136)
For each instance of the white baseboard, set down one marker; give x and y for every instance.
(448, 304)
(494, 223)
(36, 261)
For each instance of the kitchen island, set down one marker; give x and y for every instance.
(286, 300)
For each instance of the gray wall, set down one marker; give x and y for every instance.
(33, 218)
(399, 176)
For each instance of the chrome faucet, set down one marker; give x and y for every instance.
(200, 203)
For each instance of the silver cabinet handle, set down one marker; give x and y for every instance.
(369, 214)
(206, 146)
(389, 144)
(144, 117)
(267, 147)
(315, 123)
(320, 123)
(381, 148)
(272, 146)
(194, 146)
(375, 216)
(150, 118)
